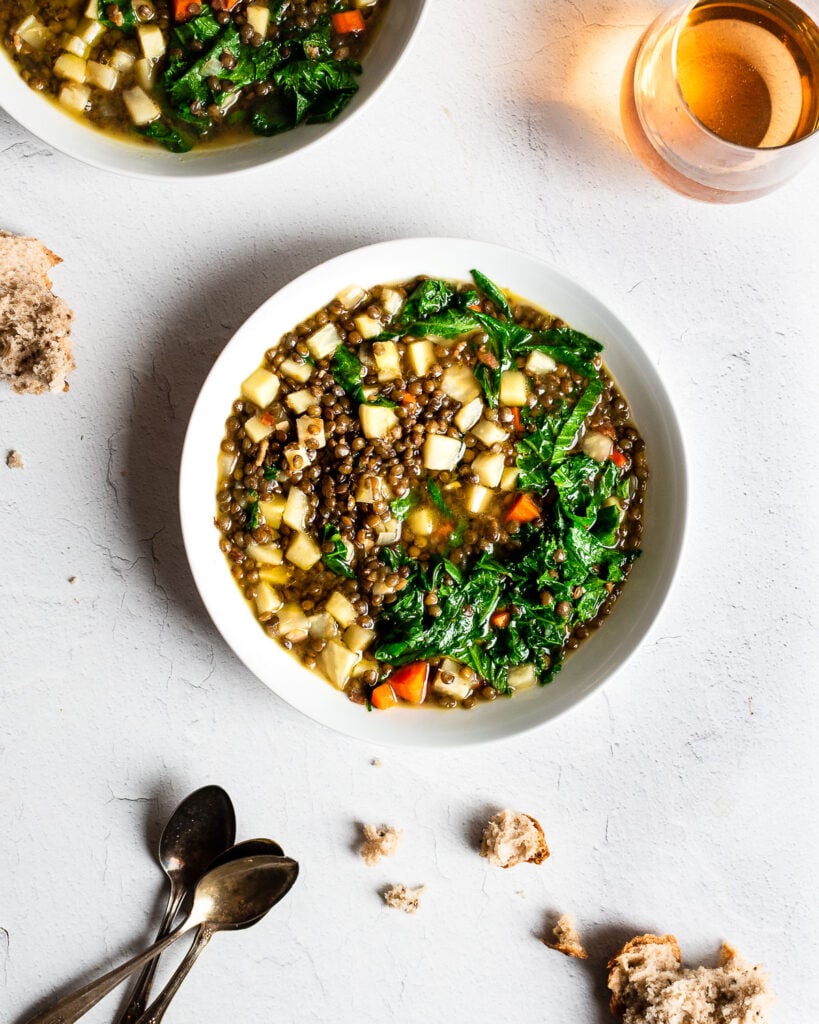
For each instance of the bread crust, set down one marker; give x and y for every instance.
(505, 828)
(618, 978)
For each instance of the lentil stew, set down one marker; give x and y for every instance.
(431, 492)
(179, 74)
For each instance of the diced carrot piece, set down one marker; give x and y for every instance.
(501, 618)
(618, 458)
(443, 531)
(516, 420)
(407, 399)
(383, 697)
(410, 682)
(346, 22)
(180, 10)
(228, 5)
(267, 419)
(523, 509)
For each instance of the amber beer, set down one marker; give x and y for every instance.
(718, 94)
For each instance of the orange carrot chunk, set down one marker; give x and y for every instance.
(180, 10)
(523, 509)
(501, 618)
(383, 697)
(410, 682)
(346, 22)
(517, 422)
(618, 458)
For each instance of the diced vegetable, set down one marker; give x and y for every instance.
(122, 60)
(258, 17)
(441, 452)
(141, 108)
(299, 372)
(145, 73)
(293, 623)
(383, 697)
(33, 32)
(377, 420)
(539, 363)
(509, 478)
(387, 360)
(267, 554)
(501, 618)
(390, 533)
(257, 428)
(351, 296)
(458, 381)
(181, 10)
(596, 445)
(323, 626)
(523, 509)
(342, 610)
(468, 415)
(76, 47)
(103, 76)
(618, 458)
(273, 509)
(297, 457)
(421, 356)
(91, 31)
(391, 301)
(522, 677)
(489, 432)
(278, 575)
(75, 96)
(226, 464)
(346, 22)
(410, 682)
(357, 638)
(68, 65)
(477, 498)
(152, 41)
(261, 387)
(311, 428)
(367, 327)
(421, 521)
(489, 467)
(450, 683)
(513, 388)
(267, 599)
(296, 509)
(303, 551)
(324, 342)
(300, 401)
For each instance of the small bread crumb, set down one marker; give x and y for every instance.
(376, 762)
(566, 939)
(72, 579)
(511, 838)
(14, 460)
(649, 985)
(401, 897)
(378, 843)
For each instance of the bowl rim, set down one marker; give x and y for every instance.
(304, 286)
(15, 103)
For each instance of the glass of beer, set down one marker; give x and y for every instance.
(720, 98)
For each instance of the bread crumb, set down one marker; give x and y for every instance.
(376, 763)
(511, 838)
(566, 939)
(14, 460)
(72, 579)
(378, 843)
(649, 985)
(35, 324)
(401, 897)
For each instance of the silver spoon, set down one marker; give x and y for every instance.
(229, 897)
(249, 848)
(201, 827)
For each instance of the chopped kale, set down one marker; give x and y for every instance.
(337, 560)
(438, 500)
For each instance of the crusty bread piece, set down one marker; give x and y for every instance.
(35, 325)
(567, 939)
(511, 838)
(401, 897)
(378, 843)
(649, 985)
(14, 460)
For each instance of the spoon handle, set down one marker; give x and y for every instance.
(156, 1011)
(73, 1006)
(139, 995)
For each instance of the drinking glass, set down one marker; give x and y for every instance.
(720, 98)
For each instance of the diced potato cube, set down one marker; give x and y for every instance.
(257, 429)
(539, 363)
(226, 463)
(363, 4)
(441, 452)
(293, 623)
(303, 551)
(449, 681)
(145, 73)
(357, 638)
(324, 342)
(521, 677)
(390, 533)
(92, 10)
(300, 401)
(273, 509)
(337, 662)
(121, 60)
(297, 457)
(103, 76)
(75, 96)
(72, 67)
(33, 32)
(513, 388)
(267, 554)
(351, 296)
(141, 107)
(421, 355)
(468, 415)
(366, 665)
(152, 41)
(477, 498)
(391, 301)
(342, 610)
(91, 30)
(489, 467)
(299, 372)
(258, 17)
(323, 626)
(377, 420)
(596, 445)
(311, 428)
(296, 509)
(387, 360)
(76, 47)
(367, 327)
(371, 489)
(509, 478)
(278, 575)
(267, 599)
(261, 387)
(459, 382)
(489, 432)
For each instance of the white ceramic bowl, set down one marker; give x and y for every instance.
(79, 139)
(605, 652)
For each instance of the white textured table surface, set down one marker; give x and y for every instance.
(682, 798)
